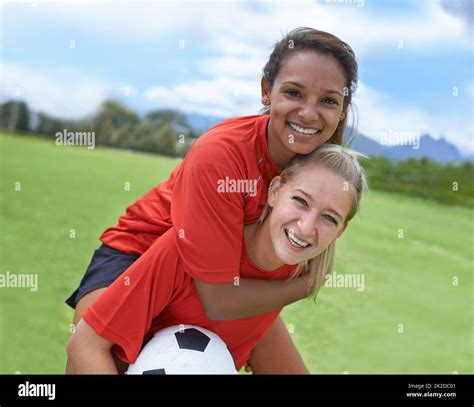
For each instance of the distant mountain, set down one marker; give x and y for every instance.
(439, 150)
(366, 146)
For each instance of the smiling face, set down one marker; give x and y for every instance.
(306, 102)
(309, 213)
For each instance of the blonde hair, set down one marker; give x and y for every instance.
(343, 162)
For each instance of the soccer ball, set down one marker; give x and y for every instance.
(184, 349)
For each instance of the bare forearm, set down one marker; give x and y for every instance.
(276, 353)
(90, 353)
(253, 297)
(86, 361)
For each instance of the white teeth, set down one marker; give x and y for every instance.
(302, 129)
(295, 241)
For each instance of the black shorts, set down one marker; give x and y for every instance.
(106, 266)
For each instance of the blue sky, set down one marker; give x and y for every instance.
(207, 56)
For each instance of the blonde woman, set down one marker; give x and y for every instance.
(307, 87)
(309, 207)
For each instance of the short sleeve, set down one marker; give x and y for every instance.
(208, 215)
(123, 314)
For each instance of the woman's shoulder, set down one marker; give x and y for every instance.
(238, 131)
(240, 123)
(239, 138)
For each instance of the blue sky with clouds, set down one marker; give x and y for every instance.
(415, 57)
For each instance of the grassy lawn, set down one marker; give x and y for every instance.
(416, 258)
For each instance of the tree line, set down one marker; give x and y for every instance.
(450, 183)
(163, 131)
(167, 132)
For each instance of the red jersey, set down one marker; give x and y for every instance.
(155, 292)
(220, 185)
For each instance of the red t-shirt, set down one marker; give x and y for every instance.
(156, 292)
(220, 185)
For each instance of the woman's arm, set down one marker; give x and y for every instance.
(89, 352)
(209, 222)
(276, 353)
(251, 297)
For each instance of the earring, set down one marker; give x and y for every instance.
(265, 101)
(342, 117)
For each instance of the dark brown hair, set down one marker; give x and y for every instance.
(309, 39)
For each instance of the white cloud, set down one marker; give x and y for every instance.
(63, 91)
(238, 26)
(222, 96)
(239, 40)
(233, 66)
(380, 114)
(460, 8)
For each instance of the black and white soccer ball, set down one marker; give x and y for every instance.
(184, 349)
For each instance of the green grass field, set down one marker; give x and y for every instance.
(411, 317)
